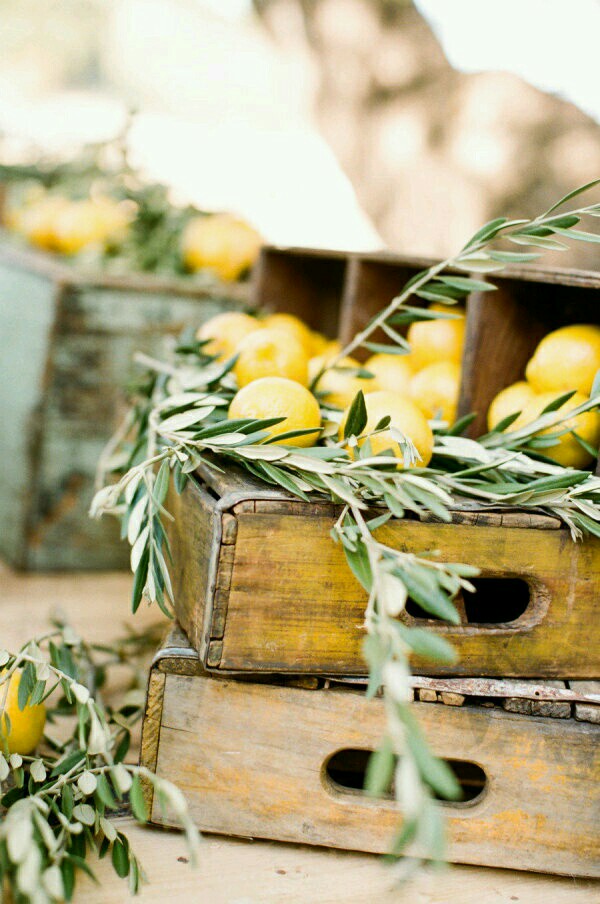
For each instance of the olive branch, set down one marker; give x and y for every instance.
(180, 421)
(57, 806)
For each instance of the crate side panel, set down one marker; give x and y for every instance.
(98, 331)
(27, 304)
(194, 536)
(295, 606)
(251, 760)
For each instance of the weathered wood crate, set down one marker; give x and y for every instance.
(287, 763)
(261, 587)
(67, 347)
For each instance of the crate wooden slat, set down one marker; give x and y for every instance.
(255, 759)
(261, 587)
(68, 344)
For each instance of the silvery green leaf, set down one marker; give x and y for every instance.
(226, 439)
(132, 486)
(85, 814)
(87, 783)
(396, 679)
(429, 485)
(139, 512)
(108, 828)
(538, 241)
(19, 838)
(28, 873)
(53, 883)
(572, 194)
(122, 778)
(264, 453)
(4, 768)
(514, 257)
(164, 571)
(80, 692)
(15, 760)
(4, 657)
(479, 264)
(48, 836)
(392, 594)
(306, 463)
(409, 789)
(185, 419)
(467, 285)
(462, 447)
(42, 671)
(38, 771)
(138, 547)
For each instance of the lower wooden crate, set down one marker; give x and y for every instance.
(284, 762)
(261, 586)
(68, 341)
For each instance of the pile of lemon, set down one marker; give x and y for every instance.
(222, 244)
(54, 222)
(566, 360)
(278, 357)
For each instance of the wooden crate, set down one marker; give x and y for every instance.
(340, 293)
(287, 763)
(68, 344)
(261, 587)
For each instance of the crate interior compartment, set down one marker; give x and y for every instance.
(372, 282)
(69, 341)
(251, 599)
(505, 326)
(273, 760)
(306, 282)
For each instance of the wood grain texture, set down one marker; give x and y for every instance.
(251, 759)
(294, 606)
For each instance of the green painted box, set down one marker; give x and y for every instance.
(67, 351)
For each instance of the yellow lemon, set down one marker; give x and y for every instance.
(435, 390)
(26, 726)
(226, 331)
(509, 401)
(340, 386)
(405, 417)
(38, 221)
(222, 243)
(565, 359)
(319, 343)
(293, 326)
(318, 362)
(567, 451)
(437, 340)
(270, 353)
(279, 397)
(79, 225)
(393, 372)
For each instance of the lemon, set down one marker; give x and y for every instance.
(565, 359)
(567, 451)
(340, 386)
(319, 343)
(509, 401)
(222, 243)
(279, 397)
(435, 390)
(270, 353)
(226, 332)
(318, 362)
(405, 417)
(37, 222)
(437, 340)
(26, 726)
(393, 372)
(293, 326)
(81, 224)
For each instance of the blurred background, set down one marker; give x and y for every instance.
(352, 124)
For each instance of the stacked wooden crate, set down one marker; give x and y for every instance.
(68, 341)
(258, 710)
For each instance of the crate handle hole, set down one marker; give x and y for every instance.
(496, 601)
(345, 771)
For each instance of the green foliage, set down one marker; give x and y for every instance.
(56, 806)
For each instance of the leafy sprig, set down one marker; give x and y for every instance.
(58, 805)
(181, 421)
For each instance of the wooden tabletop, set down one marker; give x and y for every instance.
(234, 871)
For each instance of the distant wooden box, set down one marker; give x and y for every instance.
(67, 352)
(287, 763)
(260, 586)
